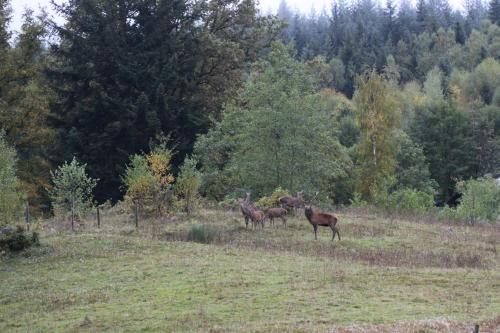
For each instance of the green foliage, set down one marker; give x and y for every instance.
(410, 201)
(357, 201)
(412, 169)
(140, 181)
(71, 188)
(480, 201)
(201, 233)
(377, 116)
(151, 67)
(273, 200)
(188, 183)
(147, 179)
(10, 197)
(278, 133)
(15, 240)
(25, 106)
(443, 131)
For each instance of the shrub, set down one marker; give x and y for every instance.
(357, 201)
(188, 184)
(148, 180)
(72, 189)
(202, 234)
(410, 201)
(10, 198)
(228, 203)
(15, 240)
(273, 200)
(480, 201)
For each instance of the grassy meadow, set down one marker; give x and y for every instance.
(384, 275)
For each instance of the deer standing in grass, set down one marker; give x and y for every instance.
(294, 202)
(258, 216)
(323, 220)
(250, 213)
(246, 211)
(273, 213)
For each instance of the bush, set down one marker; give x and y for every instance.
(148, 180)
(202, 234)
(188, 184)
(273, 200)
(10, 198)
(72, 189)
(229, 203)
(410, 201)
(15, 240)
(480, 202)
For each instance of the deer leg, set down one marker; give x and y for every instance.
(338, 233)
(334, 230)
(284, 220)
(315, 232)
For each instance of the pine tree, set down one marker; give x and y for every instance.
(5, 18)
(421, 15)
(459, 33)
(494, 11)
(123, 81)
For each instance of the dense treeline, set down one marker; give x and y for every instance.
(367, 34)
(355, 103)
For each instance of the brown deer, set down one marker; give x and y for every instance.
(323, 220)
(294, 202)
(273, 213)
(250, 213)
(257, 217)
(246, 210)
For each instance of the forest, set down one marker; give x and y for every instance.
(352, 104)
(200, 166)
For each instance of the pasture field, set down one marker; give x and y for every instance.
(383, 276)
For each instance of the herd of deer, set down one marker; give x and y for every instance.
(316, 219)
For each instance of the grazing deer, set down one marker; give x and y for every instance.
(323, 220)
(293, 202)
(273, 213)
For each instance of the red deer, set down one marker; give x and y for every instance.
(323, 220)
(294, 202)
(257, 217)
(275, 213)
(250, 212)
(246, 210)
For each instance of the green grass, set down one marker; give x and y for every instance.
(265, 280)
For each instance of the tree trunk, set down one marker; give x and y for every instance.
(98, 219)
(27, 216)
(136, 215)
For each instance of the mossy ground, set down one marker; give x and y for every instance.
(118, 280)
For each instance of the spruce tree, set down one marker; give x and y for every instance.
(494, 11)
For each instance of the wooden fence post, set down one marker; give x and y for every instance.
(72, 214)
(136, 215)
(27, 215)
(98, 218)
